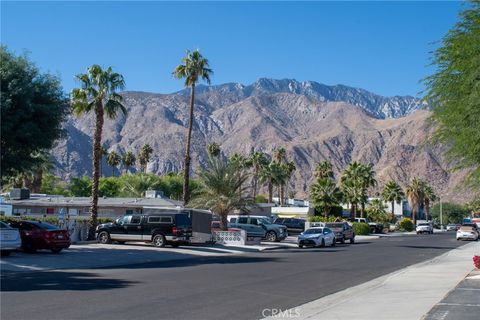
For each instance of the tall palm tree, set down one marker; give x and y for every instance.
(269, 175)
(240, 163)
(98, 94)
(352, 193)
(113, 160)
(280, 155)
(103, 154)
(193, 68)
(258, 160)
(324, 170)
(144, 157)
(415, 196)
(325, 195)
(429, 196)
(393, 193)
(128, 160)
(222, 190)
(368, 180)
(213, 149)
(289, 168)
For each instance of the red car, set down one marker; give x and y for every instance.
(40, 235)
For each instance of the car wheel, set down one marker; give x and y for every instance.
(159, 241)
(322, 244)
(104, 237)
(5, 253)
(458, 239)
(56, 250)
(342, 240)
(300, 245)
(334, 242)
(28, 247)
(271, 236)
(352, 240)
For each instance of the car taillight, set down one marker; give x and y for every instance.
(174, 230)
(47, 234)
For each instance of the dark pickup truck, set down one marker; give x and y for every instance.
(343, 231)
(159, 228)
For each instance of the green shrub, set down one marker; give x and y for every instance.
(52, 219)
(406, 225)
(323, 219)
(361, 228)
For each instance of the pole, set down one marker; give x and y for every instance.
(441, 215)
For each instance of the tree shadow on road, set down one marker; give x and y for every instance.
(58, 280)
(191, 262)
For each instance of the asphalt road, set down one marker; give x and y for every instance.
(234, 287)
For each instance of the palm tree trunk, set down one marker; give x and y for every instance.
(255, 178)
(414, 217)
(113, 171)
(362, 212)
(270, 192)
(96, 166)
(427, 209)
(37, 181)
(224, 222)
(186, 179)
(352, 212)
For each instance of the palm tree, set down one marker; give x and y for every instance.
(213, 149)
(289, 168)
(128, 160)
(113, 160)
(393, 193)
(324, 170)
(222, 190)
(144, 157)
(280, 154)
(368, 180)
(352, 193)
(258, 161)
(194, 66)
(103, 153)
(280, 178)
(240, 163)
(269, 175)
(414, 194)
(428, 197)
(135, 185)
(325, 195)
(98, 94)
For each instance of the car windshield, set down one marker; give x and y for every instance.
(313, 231)
(334, 225)
(263, 221)
(466, 229)
(424, 224)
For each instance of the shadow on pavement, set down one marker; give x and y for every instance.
(184, 263)
(429, 247)
(31, 281)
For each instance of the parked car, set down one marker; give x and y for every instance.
(38, 235)
(294, 225)
(467, 233)
(451, 227)
(317, 237)
(258, 226)
(343, 231)
(424, 227)
(215, 226)
(374, 227)
(10, 239)
(159, 228)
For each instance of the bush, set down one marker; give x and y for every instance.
(323, 219)
(406, 225)
(52, 219)
(361, 228)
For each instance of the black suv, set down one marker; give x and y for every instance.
(293, 225)
(159, 228)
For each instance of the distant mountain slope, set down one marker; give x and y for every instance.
(258, 117)
(376, 105)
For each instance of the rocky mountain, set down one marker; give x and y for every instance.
(305, 118)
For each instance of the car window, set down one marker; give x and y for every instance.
(326, 230)
(3, 225)
(135, 220)
(45, 226)
(314, 231)
(254, 221)
(153, 219)
(166, 219)
(183, 220)
(233, 220)
(243, 220)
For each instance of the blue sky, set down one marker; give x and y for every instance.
(379, 46)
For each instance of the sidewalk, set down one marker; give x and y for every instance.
(407, 294)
